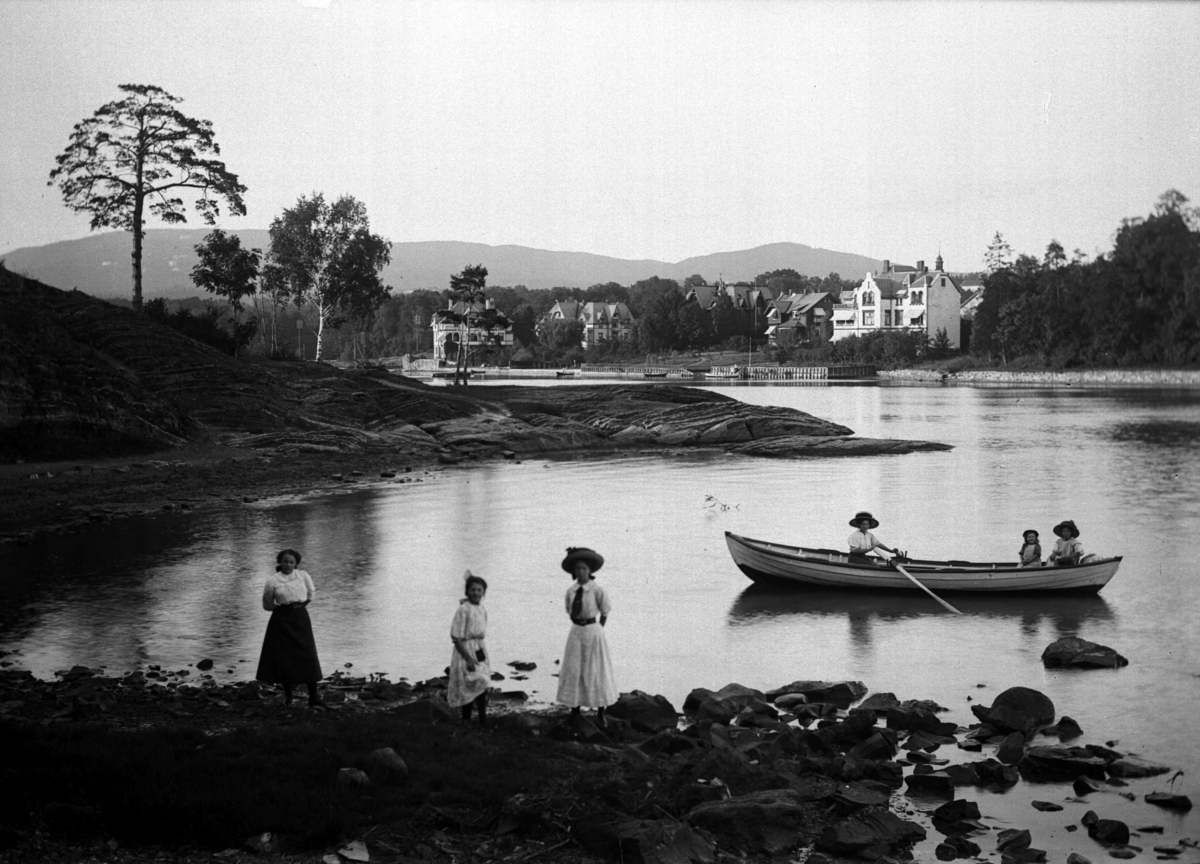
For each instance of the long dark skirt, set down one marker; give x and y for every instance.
(289, 652)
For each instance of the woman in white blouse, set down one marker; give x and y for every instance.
(585, 678)
(289, 652)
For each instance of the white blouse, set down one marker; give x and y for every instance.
(862, 543)
(295, 587)
(595, 600)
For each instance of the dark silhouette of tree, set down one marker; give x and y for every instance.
(229, 271)
(139, 152)
(326, 255)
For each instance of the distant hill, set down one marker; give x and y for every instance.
(100, 264)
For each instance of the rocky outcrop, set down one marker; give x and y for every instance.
(1071, 652)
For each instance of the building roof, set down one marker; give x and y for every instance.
(705, 295)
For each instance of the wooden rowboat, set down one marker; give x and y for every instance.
(827, 568)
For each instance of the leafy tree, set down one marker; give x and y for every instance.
(327, 256)
(142, 150)
(229, 271)
(693, 280)
(560, 336)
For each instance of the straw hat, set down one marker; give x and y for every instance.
(1066, 523)
(861, 515)
(594, 559)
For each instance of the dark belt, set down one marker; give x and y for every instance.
(583, 622)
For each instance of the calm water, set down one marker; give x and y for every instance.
(388, 564)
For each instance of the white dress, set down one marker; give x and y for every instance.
(470, 624)
(585, 678)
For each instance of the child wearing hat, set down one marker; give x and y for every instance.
(863, 541)
(585, 678)
(1031, 550)
(1067, 548)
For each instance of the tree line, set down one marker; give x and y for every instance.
(1138, 305)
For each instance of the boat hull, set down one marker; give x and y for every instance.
(822, 568)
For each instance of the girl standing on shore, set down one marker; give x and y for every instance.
(470, 670)
(289, 652)
(585, 678)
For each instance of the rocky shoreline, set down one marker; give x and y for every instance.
(811, 770)
(1094, 377)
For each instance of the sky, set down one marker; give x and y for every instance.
(655, 129)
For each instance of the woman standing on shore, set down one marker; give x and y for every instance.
(585, 678)
(470, 669)
(289, 652)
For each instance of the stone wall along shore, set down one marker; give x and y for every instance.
(1096, 377)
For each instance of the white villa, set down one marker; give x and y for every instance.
(447, 329)
(902, 298)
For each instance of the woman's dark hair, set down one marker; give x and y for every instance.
(279, 558)
(475, 580)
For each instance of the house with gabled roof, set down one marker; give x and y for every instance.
(742, 294)
(602, 322)
(903, 298)
(800, 319)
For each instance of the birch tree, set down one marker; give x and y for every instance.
(327, 256)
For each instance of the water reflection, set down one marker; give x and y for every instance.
(1066, 615)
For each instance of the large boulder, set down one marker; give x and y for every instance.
(1017, 709)
(767, 822)
(1071, 652)
(870, 833)
(644, 712)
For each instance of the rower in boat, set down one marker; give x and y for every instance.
(863, 541)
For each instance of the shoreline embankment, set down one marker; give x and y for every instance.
(1091, 377)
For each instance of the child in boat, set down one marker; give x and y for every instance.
(863, 541)
(1031, 550)
(1067, 548)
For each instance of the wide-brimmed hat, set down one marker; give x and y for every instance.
(1032, 531)
(861, 515)
(1066, 523)
(593, 558)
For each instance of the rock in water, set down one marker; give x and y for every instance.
(1070, 652)
(1169, 801)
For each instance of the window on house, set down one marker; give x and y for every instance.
(868, 298)
(868, 319)
(887, 318)
(943, 282)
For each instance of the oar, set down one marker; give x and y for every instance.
(913, 580)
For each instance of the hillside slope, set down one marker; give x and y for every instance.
(100, 264)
